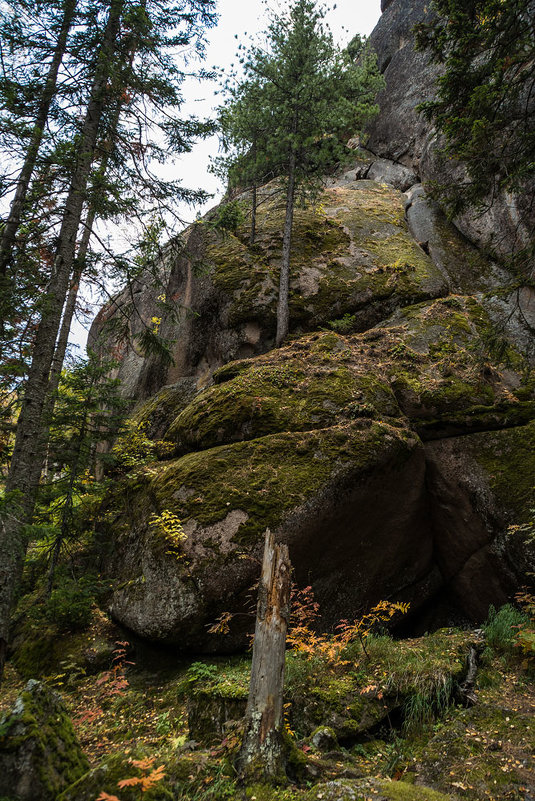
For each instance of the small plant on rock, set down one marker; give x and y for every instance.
(168, 528)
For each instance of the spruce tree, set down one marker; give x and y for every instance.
(317, 95)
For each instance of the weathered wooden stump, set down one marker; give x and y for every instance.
(262, 754)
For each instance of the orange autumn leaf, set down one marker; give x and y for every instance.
(143, 764)
(106, 797)
(129, 782)
(148, 781)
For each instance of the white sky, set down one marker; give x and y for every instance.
(239, 22)
(244, 19)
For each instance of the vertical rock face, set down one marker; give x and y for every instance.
(391, 452)
(39, 752)
(400, 132)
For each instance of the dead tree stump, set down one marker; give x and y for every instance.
(262, 754)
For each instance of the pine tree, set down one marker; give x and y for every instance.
(132, 68)
(316, 95)
(244, 125)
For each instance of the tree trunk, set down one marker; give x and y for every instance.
(68, 313)
(25, 469)
(72, 296)
(283, 309)
(252, 236)
(13, 221)
(261, 755)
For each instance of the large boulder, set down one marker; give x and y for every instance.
(39, 752)
(341, 445)
(374, 449)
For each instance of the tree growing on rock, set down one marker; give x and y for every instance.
(485, 105)
(317, 96)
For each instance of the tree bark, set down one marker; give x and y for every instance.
(13, 221)
(261, 756)
(283, 309)
(252, 236)
(25, 469)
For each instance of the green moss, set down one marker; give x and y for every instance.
(508, 458)
(259, 478)
(277, 393)
(156, 413)
(402, 791)
(40, 648)
(364, 789)
(441, 370)
(478, 418)
(374, 217)
(55, 754)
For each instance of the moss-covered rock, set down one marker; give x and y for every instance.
(352, 253)
(298, 440)
(39, 752)
(154, 415)
(378, 789)
(227, 496)
(314, 384)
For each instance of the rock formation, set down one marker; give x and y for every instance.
(39, 752)
(391, 452)
(400, 133)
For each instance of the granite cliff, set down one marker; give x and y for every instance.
(390, 442)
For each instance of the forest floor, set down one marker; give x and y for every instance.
(147, 711)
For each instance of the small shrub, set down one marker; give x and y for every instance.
(168, 528)
(501, 628)
(133, 447)
(70, 605)
(201, 672)
(344, 325)
(228, 217)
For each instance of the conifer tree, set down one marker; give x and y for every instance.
(47, 94)
(89, 410)
(316, 95)
(133, 66)
(244, 125)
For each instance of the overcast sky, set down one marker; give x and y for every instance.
(239, 22)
